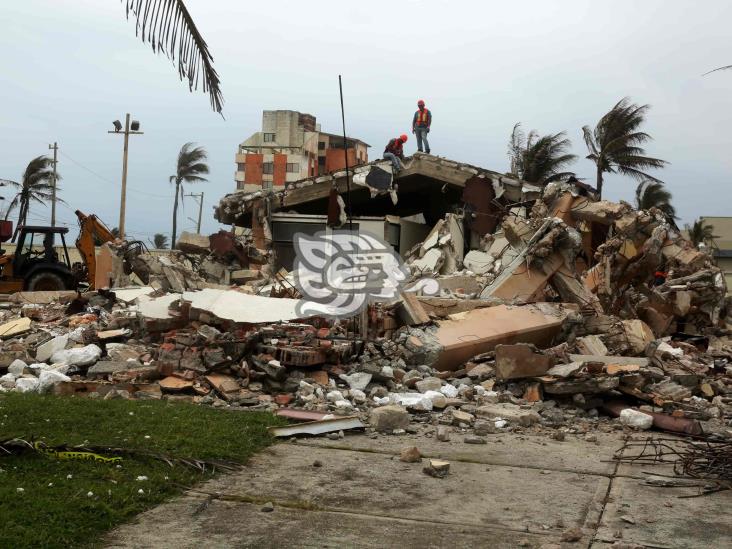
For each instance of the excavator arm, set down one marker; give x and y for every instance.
(91, 231)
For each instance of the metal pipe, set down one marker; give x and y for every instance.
(664, 422)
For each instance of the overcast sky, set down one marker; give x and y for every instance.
(69, 68)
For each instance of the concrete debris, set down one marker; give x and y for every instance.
(389, 418)
(636, 419)
(410, 454)
(437, 468)
(554, 313)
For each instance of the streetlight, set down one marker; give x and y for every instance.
(129, 129)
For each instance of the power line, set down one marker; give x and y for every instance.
(109, 180)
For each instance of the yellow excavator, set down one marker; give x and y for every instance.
(36, 265)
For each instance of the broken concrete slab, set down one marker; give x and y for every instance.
(130, 295)
(638, 335)
(223, 384)
(193, 243)
(410, 310)
(105, 368)
(156, 308)
(478, 331)
(174, 384)
(640, 361)
(591, 345)
(318, 427)
(602, 211)
(565, 370)
(240, 307)
(523, 284)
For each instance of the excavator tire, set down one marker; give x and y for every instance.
(46, 282)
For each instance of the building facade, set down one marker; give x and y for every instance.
(291, 147)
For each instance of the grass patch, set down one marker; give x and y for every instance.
(70, 503)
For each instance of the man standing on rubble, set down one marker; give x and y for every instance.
(394, 151)
(421, 126)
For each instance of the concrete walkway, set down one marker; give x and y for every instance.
(515, 491)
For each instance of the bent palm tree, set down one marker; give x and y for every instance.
(169, 28)
(615, 143)
(651, 194)
(36, 186)
(191, 165)
(540, 159)
(701, 232)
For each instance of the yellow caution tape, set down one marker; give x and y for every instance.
(66, 454)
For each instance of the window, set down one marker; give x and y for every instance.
(321, 145)
(293, 167)
(268, 168)
(241, 167)
(269, 137)
(240, 185)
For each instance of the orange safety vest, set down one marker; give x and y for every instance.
(422, 115)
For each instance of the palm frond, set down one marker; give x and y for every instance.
(635, 173)
(13, 204)
(726, 67)
(589, 141)
(169, 28)
(10, 183)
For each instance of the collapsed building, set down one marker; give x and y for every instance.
(554, 310)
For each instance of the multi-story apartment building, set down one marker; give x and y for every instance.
(290, 147)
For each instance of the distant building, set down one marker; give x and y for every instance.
(722, 244)
(291, 147)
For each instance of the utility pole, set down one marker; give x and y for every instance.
(127, 132)
(55, 179)
(199, 198)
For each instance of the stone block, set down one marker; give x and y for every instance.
(519, 361)
(389, 418)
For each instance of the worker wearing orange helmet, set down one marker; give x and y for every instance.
(394, 151)
(421, 126)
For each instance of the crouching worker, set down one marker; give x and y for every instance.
(394, 151)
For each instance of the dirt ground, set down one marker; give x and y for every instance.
(515, 491)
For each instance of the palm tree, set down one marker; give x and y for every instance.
(701, 232)
(540, 159)
(169, 28)
(160, 241)
(615, 143)
(651, 194)
(36, 186)
(191, 164)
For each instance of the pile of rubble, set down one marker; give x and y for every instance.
(572, 313)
